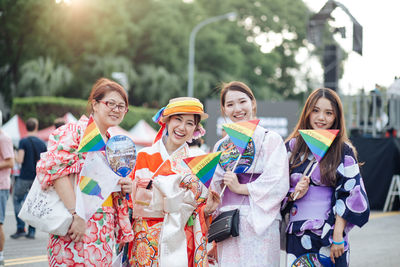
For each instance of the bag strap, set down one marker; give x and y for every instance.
(255, 164)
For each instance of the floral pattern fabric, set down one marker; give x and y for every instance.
(349, 200)
(109, 225)
(144, 250)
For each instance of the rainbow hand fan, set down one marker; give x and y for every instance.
(204, 166)
(91, 140)
(241, 132)
(319, 141)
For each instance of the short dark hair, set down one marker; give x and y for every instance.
(32, 124)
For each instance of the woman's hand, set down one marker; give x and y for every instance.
(143, 182)
(336, 250)
(77, 228)
(213, 254)
(126, 185)
(213, 200)
(232, 182)
(302, 187)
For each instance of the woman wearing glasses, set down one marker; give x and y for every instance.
(87, 243)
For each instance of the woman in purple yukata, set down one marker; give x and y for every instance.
(326, 206)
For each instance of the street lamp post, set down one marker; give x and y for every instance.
(230, 15)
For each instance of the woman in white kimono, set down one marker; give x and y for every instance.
(257, 185)
(171, 214)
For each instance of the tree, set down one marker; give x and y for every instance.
(42, 77)
(148, 40)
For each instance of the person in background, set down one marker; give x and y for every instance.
(6, 165)
(257, 190)
(29, 151)
(88, 243)
(333, 199)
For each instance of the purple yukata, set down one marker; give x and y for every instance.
(312, 218)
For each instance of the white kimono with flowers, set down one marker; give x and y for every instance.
(258, 240)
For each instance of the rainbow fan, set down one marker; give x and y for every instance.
(241, 132)
(90, 187)
(204, 166)
(319, 141)
(91, 140)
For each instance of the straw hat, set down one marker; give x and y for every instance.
(181, 105)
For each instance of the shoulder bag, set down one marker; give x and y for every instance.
(45, 211)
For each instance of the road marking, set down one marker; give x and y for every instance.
(383, 214)
(43, 258)
(25, 260)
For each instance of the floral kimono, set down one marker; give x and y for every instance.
(109, 224)
(312, 218)
(169, 224)
(264, 168)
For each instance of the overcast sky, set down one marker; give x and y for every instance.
(380, 61)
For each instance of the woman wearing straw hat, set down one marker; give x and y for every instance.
(170, 214)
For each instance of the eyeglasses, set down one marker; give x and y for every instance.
(112, 105)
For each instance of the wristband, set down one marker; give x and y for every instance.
(338, 243)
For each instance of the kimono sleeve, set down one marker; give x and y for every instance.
(351, 198)
(61, 158)
(123, 229)
(267, 192)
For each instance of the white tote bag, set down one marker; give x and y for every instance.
(45, 211)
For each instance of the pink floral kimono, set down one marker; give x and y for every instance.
(108, 225)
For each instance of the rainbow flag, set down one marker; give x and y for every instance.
(241, 132)
(89, 186)
(91, 140)
(204, 166)
(318, 141)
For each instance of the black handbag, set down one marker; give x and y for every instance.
(224, 225)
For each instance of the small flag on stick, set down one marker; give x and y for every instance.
(90, 187)
(91, 140)
(318, 141)
(241, 132)
(204, 166)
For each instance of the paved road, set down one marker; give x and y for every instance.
(23, 252)
(376, 244)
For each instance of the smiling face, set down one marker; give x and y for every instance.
(180, 130)
(322, 116)
(238, 106)
(106, 117)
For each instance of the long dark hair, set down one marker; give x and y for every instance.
(332, 158)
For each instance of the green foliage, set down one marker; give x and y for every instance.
(42, 76)
(59, 49)
(156, 86)
(47, 109)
